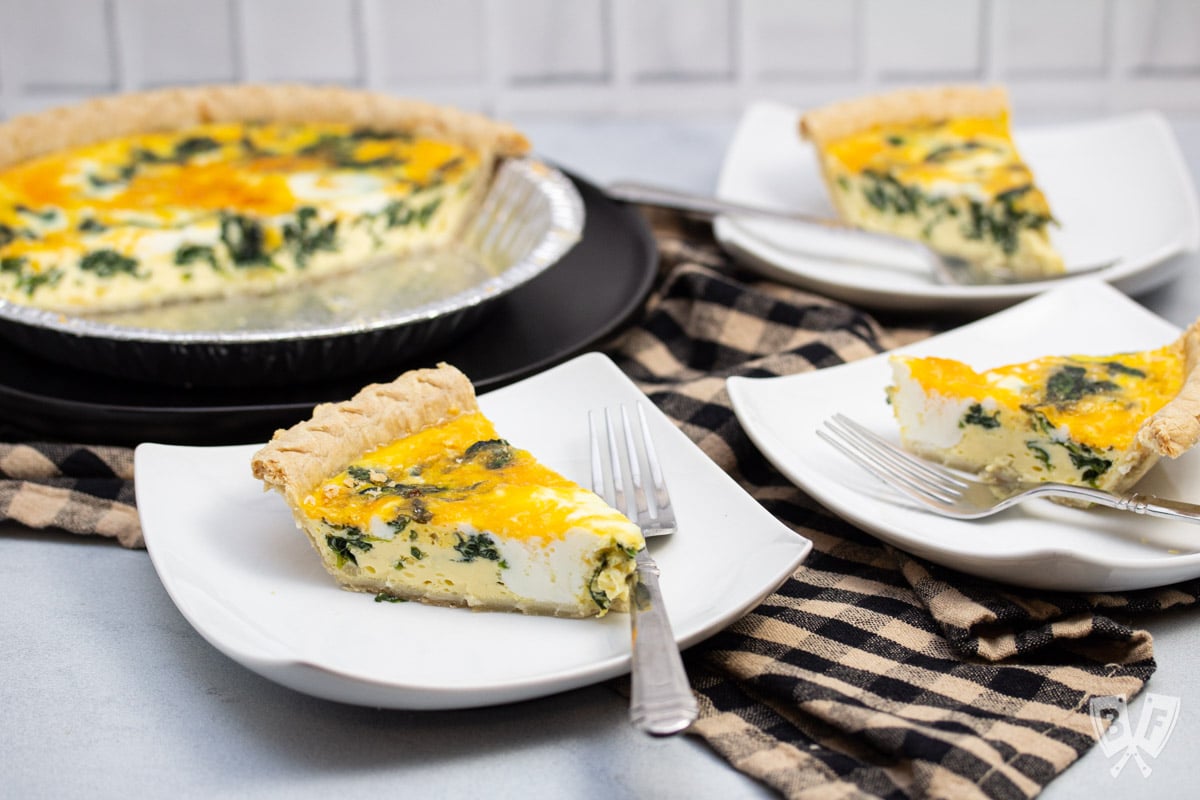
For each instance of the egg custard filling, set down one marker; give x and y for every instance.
(230, 191)
(939, 166)
(437, 507)
(1099, 421)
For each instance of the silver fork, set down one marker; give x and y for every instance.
(661, 702)
(952, 494)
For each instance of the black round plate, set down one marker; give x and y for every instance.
(590, 293)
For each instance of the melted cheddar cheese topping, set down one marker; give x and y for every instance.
(460, 474)
(174, 215)
(453, 514)
(958, 184)
(975, 152)
(1100, 401)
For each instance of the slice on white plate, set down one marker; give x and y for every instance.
(1039, 544)
(230, 557)
(1158, 215)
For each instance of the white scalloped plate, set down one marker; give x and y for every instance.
(232, 560)
(1038, 544)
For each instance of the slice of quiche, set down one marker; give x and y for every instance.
(1099, 421)
(142, 199)
(937, 165)
(407, 491)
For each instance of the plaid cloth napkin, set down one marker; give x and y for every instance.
(83, 489)
(868, 673)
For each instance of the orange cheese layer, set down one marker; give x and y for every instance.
(519, 500)
(939, 152)
(221, 209)
(1127, 389)
(225, 177)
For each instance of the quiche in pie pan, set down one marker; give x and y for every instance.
(228, 235)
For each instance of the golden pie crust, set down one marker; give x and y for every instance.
(839, 120)
(299, 461)
(1175, 428)
(301, 457)
(115, 116)
(1172, 430)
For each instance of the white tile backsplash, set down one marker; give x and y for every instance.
(150, 32)
(57, 46)
(551, 41)
(680, 40)
(1033, 44)
(924, 39)
(613, 57)
(301, 40)
(800, 40)
(416, 43)
(1166, 42)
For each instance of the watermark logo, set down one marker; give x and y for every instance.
(1159, 714)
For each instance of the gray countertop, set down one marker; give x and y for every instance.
(106, 691)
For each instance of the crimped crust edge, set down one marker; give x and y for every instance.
(299, 458)
(838, 120)
(31, 135)
(1175, 428)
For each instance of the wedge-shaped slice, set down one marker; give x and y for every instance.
(407, 491)
(937, 165)
(1099, 421)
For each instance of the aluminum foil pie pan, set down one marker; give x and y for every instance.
(335, 327)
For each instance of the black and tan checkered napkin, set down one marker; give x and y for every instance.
(81, 489)
(868, 673)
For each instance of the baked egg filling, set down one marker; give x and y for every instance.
(959, 185)
(453, 514)
(221, 209)
(1065, 419)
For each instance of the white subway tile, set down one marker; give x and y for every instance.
(1160, 37)
(183, 41)
(920, 39)
(415, 42)
(551, 41)
(672, 40)
(57, 46)
(1064, 37)
(619, 57)
(300, 40)
(801, 38)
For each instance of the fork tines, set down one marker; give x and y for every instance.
(889, 463)
(652, 513)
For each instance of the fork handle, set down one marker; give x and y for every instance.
(662, 702)
(633, 192)
(1147, 504)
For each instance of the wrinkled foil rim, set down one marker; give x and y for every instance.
(564, 210)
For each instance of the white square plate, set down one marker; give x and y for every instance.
(1039, 543)
(1119, 187)
(233, 561)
